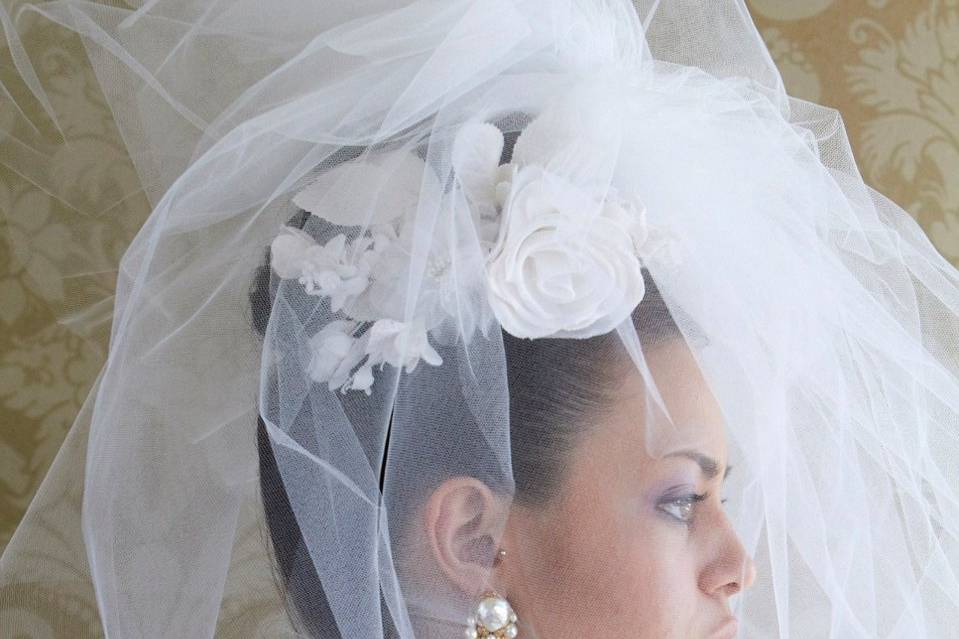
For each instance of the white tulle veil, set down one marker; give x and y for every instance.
(383, 233)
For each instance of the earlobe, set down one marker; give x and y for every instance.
(464, 520)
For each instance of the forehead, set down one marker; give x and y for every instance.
(695, 420)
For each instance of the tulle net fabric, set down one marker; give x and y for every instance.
(823, 323)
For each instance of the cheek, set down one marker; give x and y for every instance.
(605, 571)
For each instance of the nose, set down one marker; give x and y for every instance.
(734, 581)
(730, 570)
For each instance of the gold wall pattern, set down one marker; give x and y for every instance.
(890, 66)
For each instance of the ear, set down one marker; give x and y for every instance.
(464, 520)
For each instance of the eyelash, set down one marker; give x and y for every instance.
(690, 500)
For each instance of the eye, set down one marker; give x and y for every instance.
(681, 508)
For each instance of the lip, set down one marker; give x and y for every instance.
(726, 630)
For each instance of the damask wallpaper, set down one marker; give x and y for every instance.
(890, 66)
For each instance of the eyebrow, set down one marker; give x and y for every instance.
(708, 465)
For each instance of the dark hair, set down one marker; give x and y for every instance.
(546, 414)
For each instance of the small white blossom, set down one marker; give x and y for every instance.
(288, 251)
(400, 344)
(325, 269)
(334, 353)
(363, 379)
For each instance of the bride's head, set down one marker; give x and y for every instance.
(617, 528)
(612, 527)
(607, 525)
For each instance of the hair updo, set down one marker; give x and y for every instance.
(547, 414)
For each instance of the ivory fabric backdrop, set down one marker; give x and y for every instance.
(890, 66)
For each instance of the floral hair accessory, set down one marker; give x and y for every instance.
(560, 259)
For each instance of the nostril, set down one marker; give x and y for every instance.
(733, 588)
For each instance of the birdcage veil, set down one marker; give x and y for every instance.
(396, 248)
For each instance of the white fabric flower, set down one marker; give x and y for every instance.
(324, 269)
(326, 272)
(288, 250)
(565, 264)
(362, 379)
(400, 344)
(334, 353)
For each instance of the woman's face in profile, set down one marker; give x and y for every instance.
(638, 544)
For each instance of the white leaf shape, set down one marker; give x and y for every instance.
(476, 154)
(370, 193)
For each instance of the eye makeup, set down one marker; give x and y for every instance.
(680, 506)
(678, 500)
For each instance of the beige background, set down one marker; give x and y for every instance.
(890, 66)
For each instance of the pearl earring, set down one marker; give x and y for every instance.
(494, 618)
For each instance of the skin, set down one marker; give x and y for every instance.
(623, 550)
